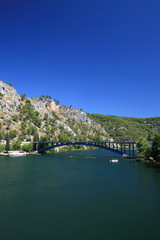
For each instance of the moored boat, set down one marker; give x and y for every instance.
(114, 160)
(17, 154)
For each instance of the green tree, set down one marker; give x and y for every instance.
(28, 147)
(27, 113)
(45, 116)
(63, 137)
(144, 149)
(23, 96)
(57, 102)
(10, 84)
(156, 148)
(36, 137)
(12, 134)
(53, 129)
(48, 130)
(22, 137)
(52, 121)
(55, 115)
(7, 148)
(31, 130)
(2, 134)
(9, 121)
(15, 117)
(23, 125)
(149, 138)
(45, 138)
(24, 132)
(37, 113)
(1, 95)
(2, 147)
(16, 145)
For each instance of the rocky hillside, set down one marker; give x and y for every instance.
(43, 119)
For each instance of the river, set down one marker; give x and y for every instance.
(78, 196)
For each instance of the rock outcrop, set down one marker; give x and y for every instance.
(80, 117)
(54, 120)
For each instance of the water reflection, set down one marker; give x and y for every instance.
(78, 195)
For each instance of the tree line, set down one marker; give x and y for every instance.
(147, 151)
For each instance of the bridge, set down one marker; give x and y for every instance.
(120, 147)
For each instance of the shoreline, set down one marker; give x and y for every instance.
(149, 162)
(27, 153)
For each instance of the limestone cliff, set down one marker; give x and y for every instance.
(44, 118)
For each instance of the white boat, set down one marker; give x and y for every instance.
(114, 160)
(17, 154)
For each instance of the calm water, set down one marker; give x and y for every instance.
(78, 195)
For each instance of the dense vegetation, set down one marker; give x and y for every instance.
(31, 124)
(147, 152)
(125, 128)
(27, 124)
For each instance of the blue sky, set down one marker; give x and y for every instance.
(102, 56)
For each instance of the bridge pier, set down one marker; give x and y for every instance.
(133, 149)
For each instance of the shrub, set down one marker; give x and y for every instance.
(28, 147)
(2, 147)
(15, 118)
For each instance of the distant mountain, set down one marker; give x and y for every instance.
(125, 128)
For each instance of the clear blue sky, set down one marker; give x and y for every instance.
(102, 56)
